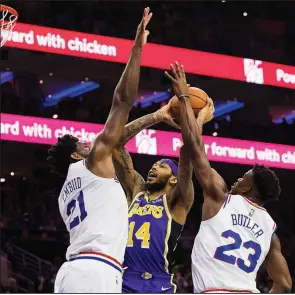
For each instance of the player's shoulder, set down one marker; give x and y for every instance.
(77, 167)
(139, 198)
(239, 199)
(77, 164)
(245, 202)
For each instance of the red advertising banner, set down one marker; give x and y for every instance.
(149, 141)
(111, 49)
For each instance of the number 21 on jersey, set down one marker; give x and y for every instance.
(246, 266)
(75, 217)
(143, 234)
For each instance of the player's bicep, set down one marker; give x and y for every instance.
(277, 266)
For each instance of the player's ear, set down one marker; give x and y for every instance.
(173, 180)
(246, 190)
(76, 156)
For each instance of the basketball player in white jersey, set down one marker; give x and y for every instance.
(92, 202)
(236, 234)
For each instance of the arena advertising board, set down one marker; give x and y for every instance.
(65, 42)
(149, 141)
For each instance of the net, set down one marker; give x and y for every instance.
(8, 20)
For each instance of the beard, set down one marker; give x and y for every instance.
(156, 186)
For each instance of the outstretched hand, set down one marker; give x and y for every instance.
(178, 79)
(142, 33)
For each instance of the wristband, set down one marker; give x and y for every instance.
(182, 96)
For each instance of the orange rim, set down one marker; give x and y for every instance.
(9, 9)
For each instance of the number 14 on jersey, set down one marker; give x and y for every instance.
(143, 234)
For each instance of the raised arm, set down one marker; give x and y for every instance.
(277, 268)
(213, 185)
(182, 196)
(130, 179)
(123, 99)
(183, 193)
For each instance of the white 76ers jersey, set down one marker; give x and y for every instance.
(230, 247)
(95, 212)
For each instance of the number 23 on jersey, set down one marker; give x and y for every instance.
(247, 266)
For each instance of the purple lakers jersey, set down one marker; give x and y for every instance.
(153, 236)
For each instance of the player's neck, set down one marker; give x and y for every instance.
(157, 194)
(254, 200)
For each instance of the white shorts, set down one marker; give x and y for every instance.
(88, 276)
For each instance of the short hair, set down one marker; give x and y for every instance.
(267, 183)
(59, 155)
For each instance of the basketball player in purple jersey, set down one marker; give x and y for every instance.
(236, 234)
(158, 211)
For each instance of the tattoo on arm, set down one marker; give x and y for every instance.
(130, 179)
(139, 185)
(125, 159)
(136, 126)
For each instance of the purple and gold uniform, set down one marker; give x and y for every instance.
(153, 236)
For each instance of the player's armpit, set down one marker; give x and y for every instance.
(277, 268)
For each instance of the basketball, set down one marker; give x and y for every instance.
(198, 98)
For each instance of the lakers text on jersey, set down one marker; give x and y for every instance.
(231, 246)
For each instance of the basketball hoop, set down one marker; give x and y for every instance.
(8, 18)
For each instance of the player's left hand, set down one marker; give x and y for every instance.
(142, 33)
(178, 79)
(167, 115)
(207, 113)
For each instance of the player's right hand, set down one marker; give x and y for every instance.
(142, 33)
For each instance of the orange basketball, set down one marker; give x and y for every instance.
(198, 98)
